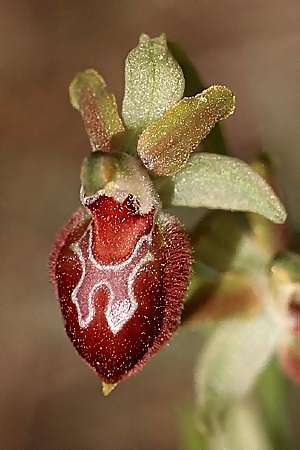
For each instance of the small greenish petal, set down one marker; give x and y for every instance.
(232, 359)
(165, 146)
(89, 95)
(153, 82)
(221, 182)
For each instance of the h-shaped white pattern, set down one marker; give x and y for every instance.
(117, 278)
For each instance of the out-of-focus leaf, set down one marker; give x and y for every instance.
(222, 182)
(165, 145)
(98, 108)
(232, 294)
(194, 84)
(241, 428)
(223, 242)
(153, 82)
(273, 390)
(217, 239)
(232, 359)
(190, 436)
(244, 428)
(226, 259)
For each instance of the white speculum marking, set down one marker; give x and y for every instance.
(118, 279)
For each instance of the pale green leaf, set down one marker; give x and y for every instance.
(273, 392)
(153, 82)
(232, 359)
(245, 429)
(191, 438)
(221, 182)
(241, 428)
(165, 145)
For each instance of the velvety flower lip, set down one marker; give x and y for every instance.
(71, 231)
(116, 228)
(120, 277)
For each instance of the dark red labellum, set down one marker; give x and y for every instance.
(120, 277)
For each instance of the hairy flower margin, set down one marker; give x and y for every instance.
(121, 266)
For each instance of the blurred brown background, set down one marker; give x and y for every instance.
(48, 397)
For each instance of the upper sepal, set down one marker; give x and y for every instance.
(153, 82)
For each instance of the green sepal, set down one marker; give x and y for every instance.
(222, 182)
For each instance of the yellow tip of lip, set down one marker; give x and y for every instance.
(107, 388)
